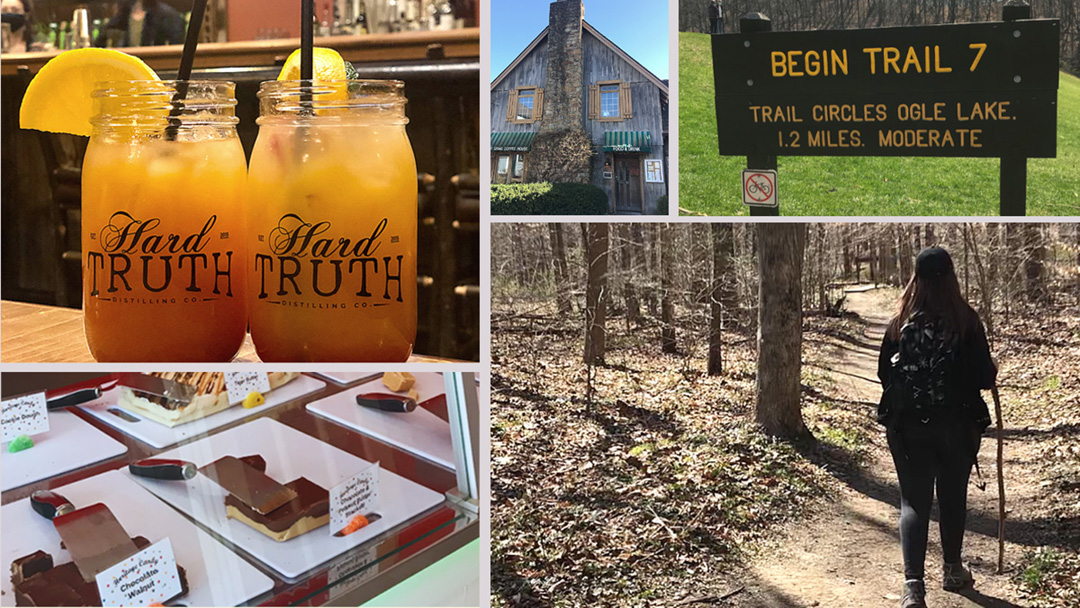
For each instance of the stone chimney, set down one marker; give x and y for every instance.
(563, 93)
(562, 150)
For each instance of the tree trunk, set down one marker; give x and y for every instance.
(626, 259)
(845, 231)
(562, 279)
(667, 313)
(907, 258)
(780, 255)
(1034, 267)
(722, 253)
(596, 259)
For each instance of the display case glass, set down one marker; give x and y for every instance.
(271, 488)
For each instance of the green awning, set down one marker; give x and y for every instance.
(627, 141)
(512, 142)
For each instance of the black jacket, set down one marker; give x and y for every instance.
(973, 370)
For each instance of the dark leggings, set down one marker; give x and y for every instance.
(941, 451)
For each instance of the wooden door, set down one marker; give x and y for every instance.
(628, 184)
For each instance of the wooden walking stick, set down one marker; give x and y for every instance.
(1000, 480)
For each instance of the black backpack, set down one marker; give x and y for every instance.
(921, 365)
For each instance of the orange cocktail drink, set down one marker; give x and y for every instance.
(163, 218)
(332, 232)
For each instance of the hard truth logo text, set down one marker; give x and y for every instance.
(127, 242)
(297, 246)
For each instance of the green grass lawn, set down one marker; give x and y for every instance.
(710, 184)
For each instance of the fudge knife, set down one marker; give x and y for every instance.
(73, 398)
(92, 535)
(164, 468)
(170, 394)
(387, 403)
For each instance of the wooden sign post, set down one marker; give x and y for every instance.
(961, 90)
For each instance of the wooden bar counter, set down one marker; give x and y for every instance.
(400, 46)
(33, 333)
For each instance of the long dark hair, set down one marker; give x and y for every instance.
(937, 294)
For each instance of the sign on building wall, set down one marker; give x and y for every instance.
(978, 89)
(654, 171)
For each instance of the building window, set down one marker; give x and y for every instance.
(525, 100)
(504, 165)
(519, 165)
(609, 101)
(526, 105)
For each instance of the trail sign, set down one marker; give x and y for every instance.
(976, 89)
(971, 90)
(759, 188)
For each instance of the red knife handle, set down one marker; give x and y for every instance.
(50, 504)
(163, 468)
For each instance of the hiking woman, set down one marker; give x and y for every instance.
(933, 362)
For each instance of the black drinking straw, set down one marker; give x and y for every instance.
(307, 19)
(187, 60)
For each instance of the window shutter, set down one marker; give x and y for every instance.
(538, 105)
(594, 101)
(511, 105)
(624, 101)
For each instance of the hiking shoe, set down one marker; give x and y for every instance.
(955, 577)
(914, 595)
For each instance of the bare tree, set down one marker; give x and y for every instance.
(722, 254)
(562, 282)
(667, 308)
(780, 260)
(596, 259)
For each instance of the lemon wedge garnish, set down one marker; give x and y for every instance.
(327, 64)
(58, 98)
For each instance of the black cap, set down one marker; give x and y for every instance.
(933, 262)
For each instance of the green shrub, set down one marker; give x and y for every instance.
(547, 199)
(661, 205)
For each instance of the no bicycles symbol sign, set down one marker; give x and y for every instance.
(759, 188)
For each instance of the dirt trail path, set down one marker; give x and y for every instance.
(848, 556)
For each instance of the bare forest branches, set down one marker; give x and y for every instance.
(699, 283)
(789, 15)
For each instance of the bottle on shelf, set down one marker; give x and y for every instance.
(324, 23)
(63, 37)
(360, 23)
(80, 29)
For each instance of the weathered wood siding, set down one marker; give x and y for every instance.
(531, 72)
(602, 63)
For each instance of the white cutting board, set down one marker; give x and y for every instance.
(216, 576)
(71, 443)
(289, 454)
(418, 432)
(160, 436)
(346, 378)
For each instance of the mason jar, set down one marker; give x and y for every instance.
(332, 223)
(163, 194)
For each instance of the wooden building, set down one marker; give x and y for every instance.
(572, 77)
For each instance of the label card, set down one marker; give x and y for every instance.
(358, 495)
(241, 384)
(26, 415)
(150, 576)
(352, 562)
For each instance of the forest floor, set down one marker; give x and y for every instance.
(661, 490)
(847, 555)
